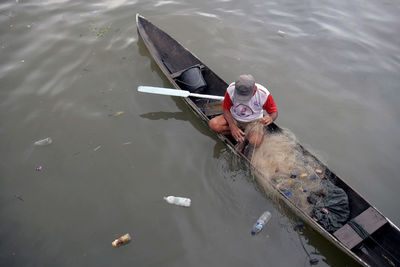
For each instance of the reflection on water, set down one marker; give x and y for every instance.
(187, 116)
(165, 115)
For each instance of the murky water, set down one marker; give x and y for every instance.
(69, 70)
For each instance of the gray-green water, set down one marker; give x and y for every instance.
(67, 67)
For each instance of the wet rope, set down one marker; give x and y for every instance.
(359, 229)
(298, 227)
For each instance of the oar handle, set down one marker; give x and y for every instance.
(216, 97)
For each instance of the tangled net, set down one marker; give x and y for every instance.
(282, 162)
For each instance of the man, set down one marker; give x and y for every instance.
(243, 108)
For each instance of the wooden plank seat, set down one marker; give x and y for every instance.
(371, 220)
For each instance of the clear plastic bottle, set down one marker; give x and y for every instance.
(121, 241)
(180, 201)
(259, 225)
(43, 142)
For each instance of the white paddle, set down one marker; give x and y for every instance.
(175, 92)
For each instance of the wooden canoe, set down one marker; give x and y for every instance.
(381, 245)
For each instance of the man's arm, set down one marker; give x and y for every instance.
(268, 119)
(270, 107)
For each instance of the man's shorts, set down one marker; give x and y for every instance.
(251, 126)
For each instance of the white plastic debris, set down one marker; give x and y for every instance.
(281, 33)
(44, 142)
(180, 201)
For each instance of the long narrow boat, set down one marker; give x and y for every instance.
(376, 241)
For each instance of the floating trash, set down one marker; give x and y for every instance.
(43, 142)
(118, 113)
(180, 201)
(281, 33)
(299, 225)
(123, 240)
(96, 148)
(39, 168)
(261, 222)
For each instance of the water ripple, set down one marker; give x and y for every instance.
(53, 2)
(110, 4)
(209, 15)
(280, 13)
(166, 2)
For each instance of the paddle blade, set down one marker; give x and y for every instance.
(163, 91)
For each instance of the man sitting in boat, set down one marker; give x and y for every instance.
(244, 105)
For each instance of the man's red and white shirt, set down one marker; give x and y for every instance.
(252, 109)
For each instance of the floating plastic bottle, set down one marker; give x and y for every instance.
(282, 33)
(121, 241)
(180, 201)
(261, 222)
(43, 142)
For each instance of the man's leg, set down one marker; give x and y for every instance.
(255, 138)
(255, 133)
(219, 125)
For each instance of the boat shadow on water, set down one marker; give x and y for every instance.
(186, 115)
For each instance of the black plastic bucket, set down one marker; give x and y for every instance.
(192, 80)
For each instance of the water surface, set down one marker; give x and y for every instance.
(69, 70)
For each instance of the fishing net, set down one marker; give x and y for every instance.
(280, 160)
(282, 164)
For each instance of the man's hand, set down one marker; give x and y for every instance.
(237, 133)
(266, 120)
